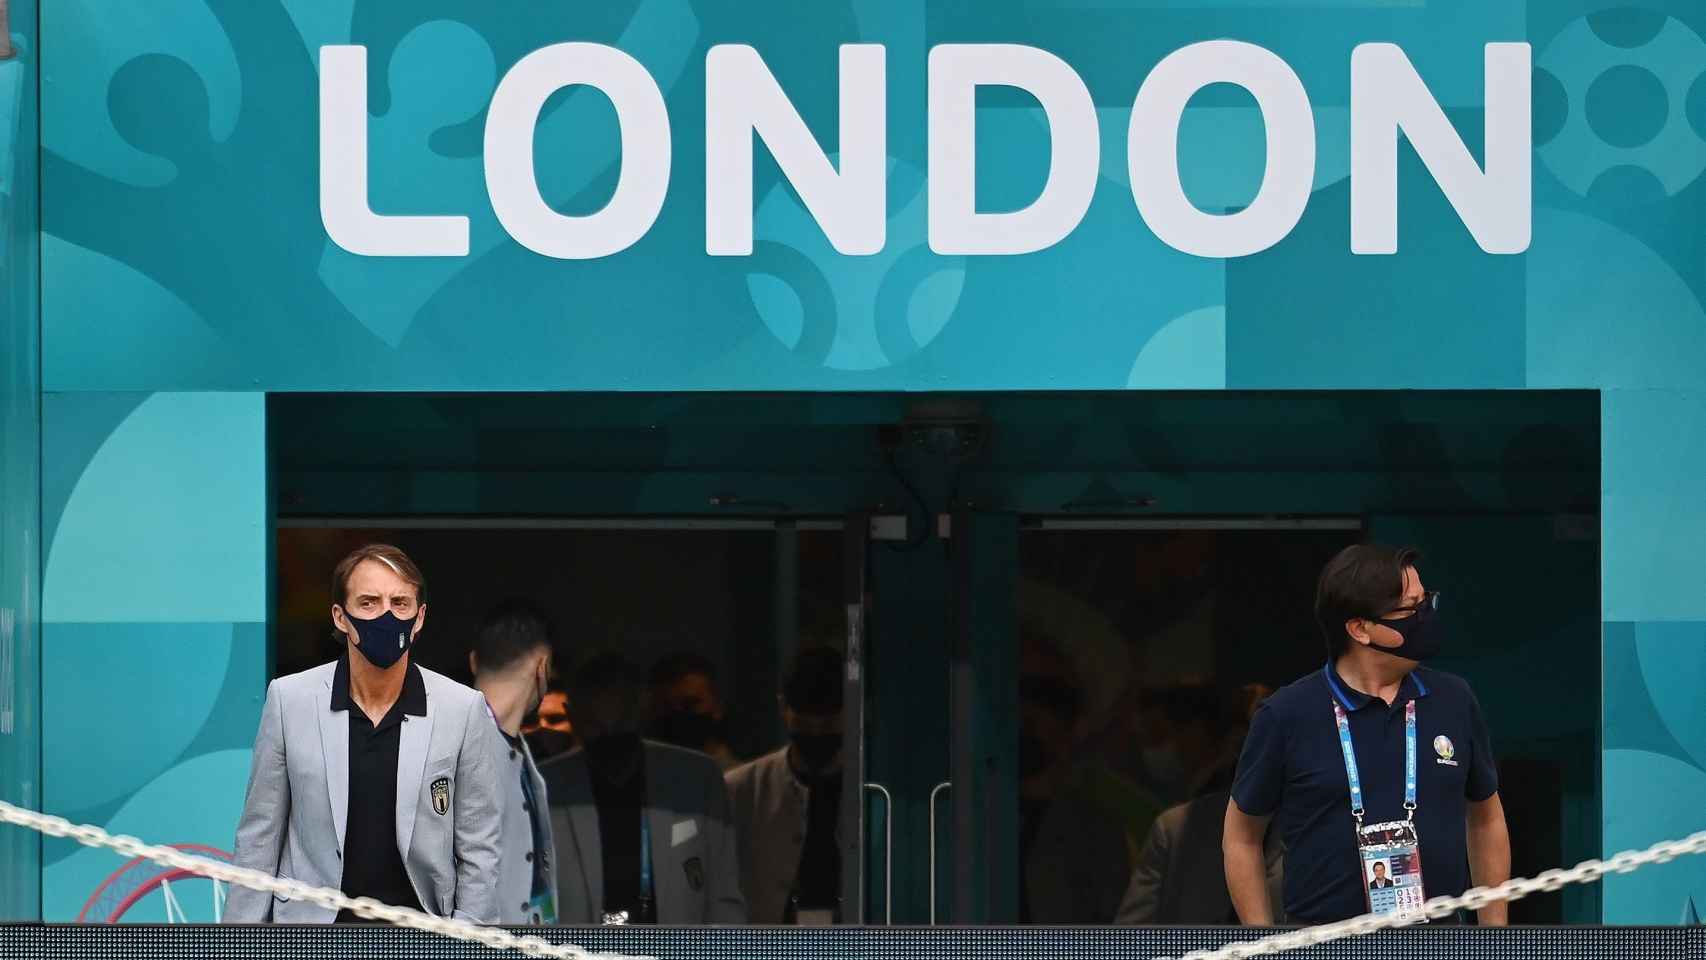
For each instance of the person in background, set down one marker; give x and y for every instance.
(345, 792)
(1356, 714)
(787, 804)
(551, 731)
(1188, 738)
(511, 663)
(1073, 853)
(643, 828)
(1179, 877)
(687, 709)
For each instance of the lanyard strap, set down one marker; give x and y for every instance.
(1344, 724)
(645, 854)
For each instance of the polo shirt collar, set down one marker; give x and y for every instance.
(413, 699)
(1353, 699)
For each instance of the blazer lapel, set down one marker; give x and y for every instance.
(411, 768)
(667, 878)
(334, 747)
(541, 815)
(583, 818)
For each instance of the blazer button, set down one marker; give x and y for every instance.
(530, 856)
(512, 754)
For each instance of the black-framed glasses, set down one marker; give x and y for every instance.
(1425, 607)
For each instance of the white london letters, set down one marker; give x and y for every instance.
(847, 198)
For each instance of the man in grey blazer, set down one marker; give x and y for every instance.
(643, 827)
(511, 663)
(371, 775)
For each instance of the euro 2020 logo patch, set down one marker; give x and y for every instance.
(1443, 747)
(441, 796)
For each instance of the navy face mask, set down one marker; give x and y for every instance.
(384, 639)
(1420, 631)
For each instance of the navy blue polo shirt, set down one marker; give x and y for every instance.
(1292, 769)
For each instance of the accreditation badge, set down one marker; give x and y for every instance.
(542, 910)
(1391, 857)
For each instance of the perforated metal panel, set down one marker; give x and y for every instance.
(140, 942)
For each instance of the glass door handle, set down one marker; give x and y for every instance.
(944, 785)
(888, 850)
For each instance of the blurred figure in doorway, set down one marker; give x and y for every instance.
(787, 805)
(1073, 854)
(1180, 877)
(687, 709)
(551, 732)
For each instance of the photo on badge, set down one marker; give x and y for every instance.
(1390, 854)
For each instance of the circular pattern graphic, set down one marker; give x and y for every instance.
(1627, 80)
(1627, 106)
(852, 313)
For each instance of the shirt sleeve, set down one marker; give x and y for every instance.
(1260, 782)
(1483, 779)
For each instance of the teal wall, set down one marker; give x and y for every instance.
(153, 625)
(185, 274)
(20, 467)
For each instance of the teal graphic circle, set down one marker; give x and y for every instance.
(1627, 106)
(1696, 105)
(1550, 105)
(1626, 27)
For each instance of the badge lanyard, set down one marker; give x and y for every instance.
(645, 857)
(1389, 853)
(1349, 751)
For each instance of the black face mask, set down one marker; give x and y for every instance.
(1420, 632)
(384, 639)
(686, 728)
(549, 743)
(816, 750)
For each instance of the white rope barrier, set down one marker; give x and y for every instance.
(1588, 870)
(1626, 862)
(494, 937)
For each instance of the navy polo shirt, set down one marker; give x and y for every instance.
(1292, 769)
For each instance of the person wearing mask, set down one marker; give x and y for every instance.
(687, 709)
(1188, 742)
(511, 663)
(1179, 878)
(372, 775)
(643, 827)
(1073, 850)
(551, 732)
(787, 804)
(1373, 756)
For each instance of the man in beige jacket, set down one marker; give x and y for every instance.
(787, 804)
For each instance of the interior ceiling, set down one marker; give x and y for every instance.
(1221, 431)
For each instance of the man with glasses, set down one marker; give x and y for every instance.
(1372, 758)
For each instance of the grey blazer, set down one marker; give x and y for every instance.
(298, 801)
(770, 806)
(1180, 876)
(515, 879)
(693, 845)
